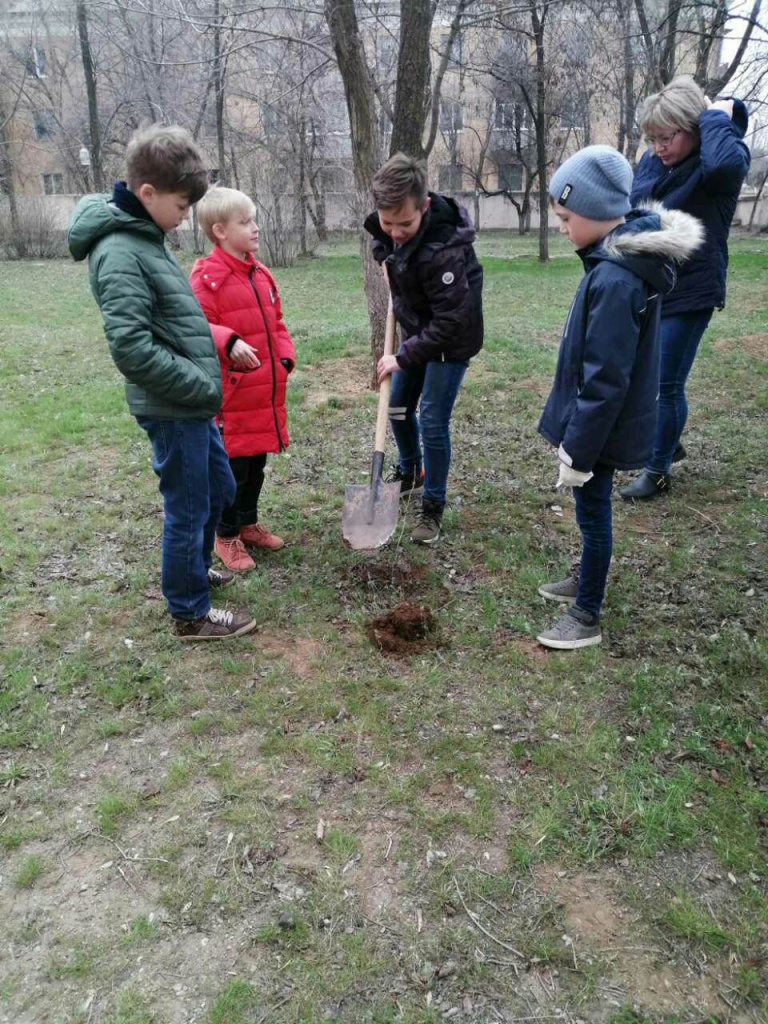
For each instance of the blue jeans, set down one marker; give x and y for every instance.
(680, 337)
(593, 514)
(197, 485)
(437, 385)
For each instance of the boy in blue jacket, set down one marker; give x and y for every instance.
(601, 413)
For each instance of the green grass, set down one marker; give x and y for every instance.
(29, 872)
(236, 1004)
(165, 802)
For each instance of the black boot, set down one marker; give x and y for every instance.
(430, 523)
(679, 453)
(647, 485)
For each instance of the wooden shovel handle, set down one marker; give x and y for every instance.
(386, 384)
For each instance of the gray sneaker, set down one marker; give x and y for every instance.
(563, 591)
(570, 632)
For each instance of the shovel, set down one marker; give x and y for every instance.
(370, 510)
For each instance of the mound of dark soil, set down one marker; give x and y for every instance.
(407, 628)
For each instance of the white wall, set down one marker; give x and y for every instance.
(495, 211)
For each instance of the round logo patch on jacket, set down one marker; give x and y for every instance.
(448, 277)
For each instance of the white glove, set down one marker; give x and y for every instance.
(570, 477)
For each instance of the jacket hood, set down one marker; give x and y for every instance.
(652, 243)
(445, 223)
(448, 223)
(95, 217)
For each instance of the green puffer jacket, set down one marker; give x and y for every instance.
(157, 333)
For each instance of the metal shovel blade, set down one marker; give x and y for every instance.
(367, 525)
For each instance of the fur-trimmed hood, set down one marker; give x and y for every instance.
(651, 243)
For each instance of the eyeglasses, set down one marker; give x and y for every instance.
(662, 141)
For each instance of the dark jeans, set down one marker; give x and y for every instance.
(196, 484)
(593, 514)
(680, 337)
(437, 385)
(248, 471)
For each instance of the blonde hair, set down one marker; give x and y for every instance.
(676, 106)
(400, 177)
(167, 157)
(219, 205)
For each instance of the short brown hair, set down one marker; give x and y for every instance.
(167, 157)
(400, 177)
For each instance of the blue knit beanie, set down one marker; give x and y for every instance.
(595, 183)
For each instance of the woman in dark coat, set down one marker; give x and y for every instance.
(696, 162)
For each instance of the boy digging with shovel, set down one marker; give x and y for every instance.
(436, 281)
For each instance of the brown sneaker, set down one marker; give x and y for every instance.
(218, 578)
(258, 536)
(218, 624)
(231, 551)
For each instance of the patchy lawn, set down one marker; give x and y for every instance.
(300, 827)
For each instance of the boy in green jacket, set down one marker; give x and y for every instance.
(162, 344)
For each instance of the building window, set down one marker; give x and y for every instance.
(510, 176)
(449, 177)
(36, 62)
(451, 116)
(273, 120)
(572, 111)
(457, 50)
(53, 184)
(44, 122)
(333, 179)
(505, 115)
(387, 52)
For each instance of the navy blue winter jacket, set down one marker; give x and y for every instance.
(602, 407)
(706, 184)
(436, 283)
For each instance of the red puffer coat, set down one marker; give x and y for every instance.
(242, 295)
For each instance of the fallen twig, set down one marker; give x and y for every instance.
(274, 1009)
(476, 923)
(126, 879)
(708, 519)
(380, 924)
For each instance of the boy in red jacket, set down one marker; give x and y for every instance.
(238, 292)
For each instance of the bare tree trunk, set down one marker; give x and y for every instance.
(90, 89)
(7, 184)
(759, 193)
(233, 164)
(668, 58)
(301, 197)
(537, 23)
(413, 78)
(218, 86)
(350, 55)
(718, 84)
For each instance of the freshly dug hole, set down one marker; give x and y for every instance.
(403, 630)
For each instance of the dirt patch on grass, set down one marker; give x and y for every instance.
(344, 380)
(504, 638)
(377, 576)
(300, 654)
(598, 924)
(406, 629)
(752, 344)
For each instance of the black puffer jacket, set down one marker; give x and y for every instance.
(436, 283)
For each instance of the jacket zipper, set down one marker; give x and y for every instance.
(281, 446)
